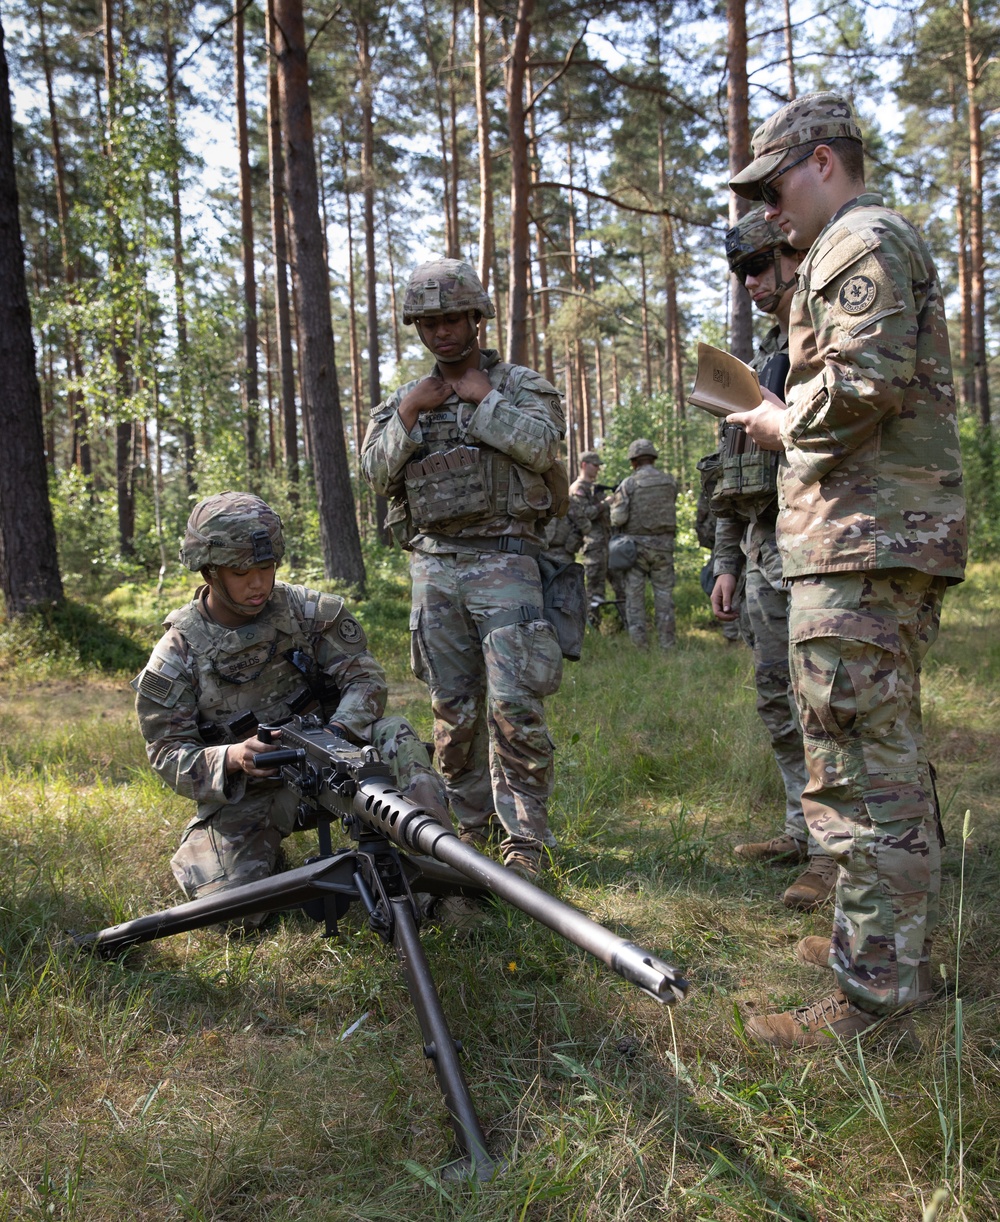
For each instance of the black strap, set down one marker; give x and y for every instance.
(503, 619)
(502, 543)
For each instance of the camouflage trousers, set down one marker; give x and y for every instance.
(487, 685)
(764, 625)
(654, 560)
(857, 643)
(595, 569)
(238, 843)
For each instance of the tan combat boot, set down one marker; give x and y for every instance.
(822, 1022)
(525, 859)
(778, 851)
(815, 887)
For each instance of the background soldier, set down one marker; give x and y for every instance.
(644, 509)
(710, 470)
(593, 504)
(872, 530)
(746, 505)
(248, 650)
(466, 456)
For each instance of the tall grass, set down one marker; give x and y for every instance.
(205, 1078)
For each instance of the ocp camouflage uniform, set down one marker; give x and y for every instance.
(564, 536)
(745, 544)
(871, 531)
(710, 470)
(478, 637)
(207, 686)
(644, 508)
(594, 508)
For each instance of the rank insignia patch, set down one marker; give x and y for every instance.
(857, 294)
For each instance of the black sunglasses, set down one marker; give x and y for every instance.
(756, 265)
(767, 191)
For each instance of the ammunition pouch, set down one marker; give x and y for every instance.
(556, 480)
(466, 483)
(564, 596)
(237, 729)
(399, 522)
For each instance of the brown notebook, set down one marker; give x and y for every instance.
(724, 384)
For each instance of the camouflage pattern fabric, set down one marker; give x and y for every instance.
(203, 676)
(858, 640)
(644, 508)
(521, 420)
(764, 625)
(445, 286)
(872, 474)
(486, 686)
(654, 561)
(710, 469)
(564, 536)
(234, 529)
(811, 116)
(593, 508)
(490, 736)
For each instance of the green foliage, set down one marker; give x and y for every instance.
(979, 459)
(70, 638)
(680, 442)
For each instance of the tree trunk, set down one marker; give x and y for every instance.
(357, 393)
(543, 271)
(456, 229)
(342, 559)
(183, 414)
(520, 253)
(29, 565)
(450, 237)
(789, 52)
(251, 393)
(977, 273)
(116, 261)
(392, 280)
(741, 325)
(486, 243)
(282, 309)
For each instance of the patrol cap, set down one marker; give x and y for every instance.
(591, 456)
(445, 286)
(813, 116)
(642, 447)
(233, 529)
(752, 235)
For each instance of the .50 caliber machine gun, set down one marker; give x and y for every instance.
(400, 849)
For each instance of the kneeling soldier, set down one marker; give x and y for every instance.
(248, 651)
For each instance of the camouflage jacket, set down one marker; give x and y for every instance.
(509, 440)
(872, 474)
(594, 509)
(645, 503)
(202, 676)
(563, 536)
(745, 528)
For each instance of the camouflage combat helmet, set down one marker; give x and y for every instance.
(445, 286)
(591, 456)
(642, 447)
(233, 529)
(752, 235)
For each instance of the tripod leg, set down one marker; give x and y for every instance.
(439, 1046)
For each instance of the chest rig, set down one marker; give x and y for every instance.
(255, 674)
(749, 480)
(451, 485)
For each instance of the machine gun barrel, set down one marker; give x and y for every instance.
(342, 779)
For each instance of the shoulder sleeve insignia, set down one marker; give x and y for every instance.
(857, 294)
(350, 634)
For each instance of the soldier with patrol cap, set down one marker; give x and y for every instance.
(746, 506)
(246, 651)
(643, 509)
(871, 531)
(469, 459)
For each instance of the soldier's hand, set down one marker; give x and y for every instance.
(473, 386)
(428, 394)
(763, 424)
(723, 596)
(239, 757)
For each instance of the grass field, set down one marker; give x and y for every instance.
(204, 1078)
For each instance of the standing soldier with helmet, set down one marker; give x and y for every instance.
(591, 504)
(746, 507)
(248, 651)
(469, 458)
(644, 510)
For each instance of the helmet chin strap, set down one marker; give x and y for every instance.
(218, 587)
(770, 303)
(455, 360)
